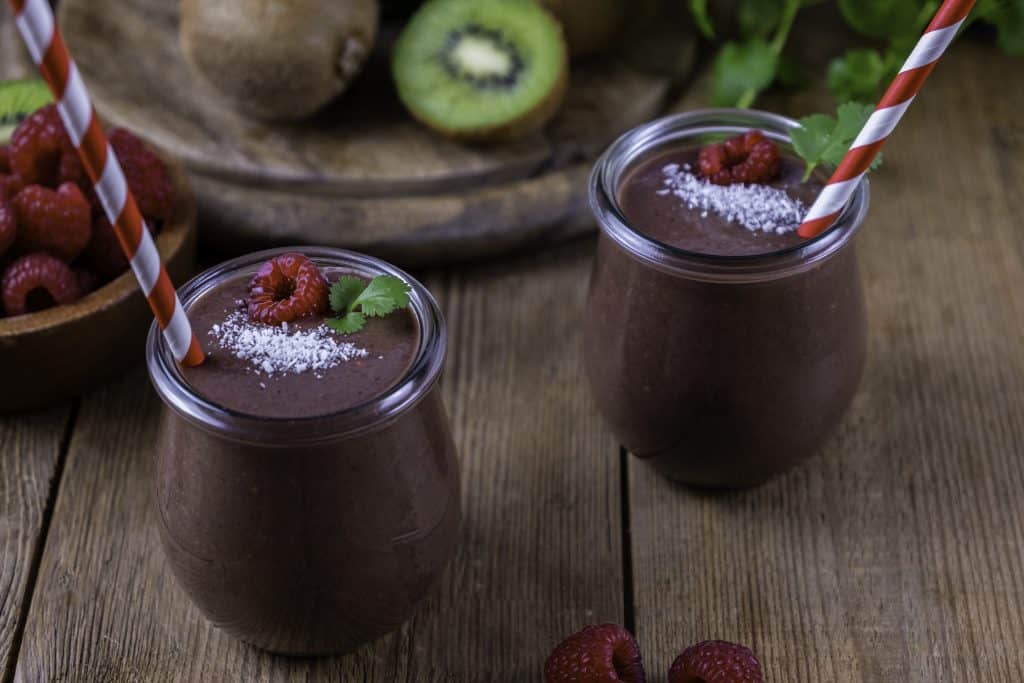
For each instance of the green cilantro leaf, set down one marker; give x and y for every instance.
(1008, 18)
(740, 68)
(824, 139)
(884, 18)
(758, 18)
(344, 292)
(384, 294)
(856, 75)
(699, 10)
(348, 324)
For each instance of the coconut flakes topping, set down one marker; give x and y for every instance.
(274, 350)
(756, 207)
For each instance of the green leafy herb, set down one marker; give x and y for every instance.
(825, 139)
(741, 68)
(886, 18)
(892, 26)
(699, 9)
(1008, 18)
(383, 295)
(856, 75)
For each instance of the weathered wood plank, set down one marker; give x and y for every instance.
(897, 554)
(30, 450)
(540, 553)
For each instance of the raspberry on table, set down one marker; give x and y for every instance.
(286, 288)
(146, 174)
(716, 661)
(55, 221)
(103, 253)
(748, 158)
(600, 653)
(37, 281)
(8, 226)
(38, 146)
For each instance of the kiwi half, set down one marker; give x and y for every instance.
(482, 70)
(18, 99)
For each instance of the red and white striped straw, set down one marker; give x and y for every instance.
(933, 43)
(36, 24)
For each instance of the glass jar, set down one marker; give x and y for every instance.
(310, 535)
(720, 371)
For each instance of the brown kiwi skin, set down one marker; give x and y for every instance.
(590, 27)
(528, 123)
(278, 60)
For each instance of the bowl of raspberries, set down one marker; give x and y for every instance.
(71, 313)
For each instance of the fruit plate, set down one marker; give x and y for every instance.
(62, 351)
(361, 174)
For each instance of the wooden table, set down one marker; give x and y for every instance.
(895, 555)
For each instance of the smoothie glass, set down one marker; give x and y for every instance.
(720, 371)
(310, 535)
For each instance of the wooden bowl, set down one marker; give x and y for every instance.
(60, 352)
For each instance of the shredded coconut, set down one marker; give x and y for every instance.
(755, 207)
(272, 350)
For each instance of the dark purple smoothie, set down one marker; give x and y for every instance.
(359, 367)
(306, 481)
(720, 353)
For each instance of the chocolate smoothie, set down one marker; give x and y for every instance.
(306, 481)
(367, 363)
(720, 346)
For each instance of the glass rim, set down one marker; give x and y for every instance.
(178, 395)
(640, 141)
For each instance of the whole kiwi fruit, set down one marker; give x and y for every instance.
(278, 59)
(590, 27)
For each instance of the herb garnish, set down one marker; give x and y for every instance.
(825, 139)
(384, 294)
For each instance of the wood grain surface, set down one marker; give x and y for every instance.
(30, 456)
(540, 551)
(897, 554)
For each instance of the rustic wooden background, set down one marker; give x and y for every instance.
(895, 555)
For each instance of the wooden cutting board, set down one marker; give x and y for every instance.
(361, 174)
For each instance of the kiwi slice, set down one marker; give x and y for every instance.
(18, 99)
(483, 70)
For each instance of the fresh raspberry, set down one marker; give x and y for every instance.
(37, 281)
(104, 254)
(712, 159)
(748, 158)
(287, 287)
(600, 653)
(55, 221)
(5, 159)
(762, 164)
(8, 226)
(38, 146)
(146, 174)
(716, 661)
(71, 170)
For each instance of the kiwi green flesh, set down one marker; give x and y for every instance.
(472, 65)
(18, 99)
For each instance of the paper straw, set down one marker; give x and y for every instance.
(933, 43)
(36, 24)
